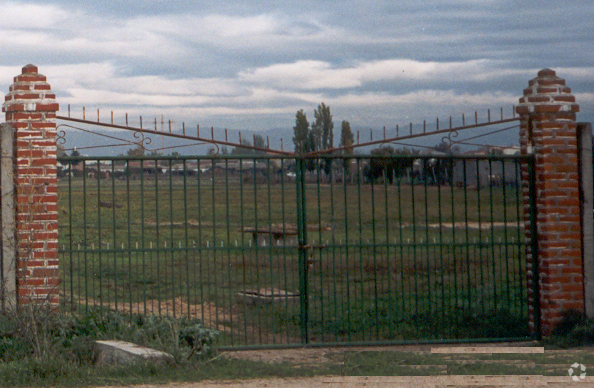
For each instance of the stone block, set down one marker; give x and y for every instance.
(115, 352)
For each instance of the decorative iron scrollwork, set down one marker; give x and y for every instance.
(138, 151)
(448, 139)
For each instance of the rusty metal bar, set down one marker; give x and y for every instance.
(370, 143)
(197, 138)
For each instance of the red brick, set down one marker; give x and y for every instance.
(48, 254)
(20, 87)
(47, 107)
(43, 162)
(29, 78)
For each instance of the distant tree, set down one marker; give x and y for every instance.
(323, 127)
(175, 153)
(347, 139)
(60, 151)
(301, 132)
(74, 153)
(322, 131)
(258, 142)
(136, 151)
(388, 167)
(242, 150)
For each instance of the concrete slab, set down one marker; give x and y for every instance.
(121, 352)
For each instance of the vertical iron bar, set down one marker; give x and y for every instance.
(374, 255)
(346, 258)
(113, 217)
(158, 238)
(303, 249)
(99, 234)
(142, 235)
(414, 243)
(129, 236)
(171, 240)
(360, 309)
(242, 228)
(494, 262)
(318, 260)
(450, 162)
(201, 251)
(480, 234)
(505, 236)
(84, 187)
(70, 220)
(186, 236)
(429, 296)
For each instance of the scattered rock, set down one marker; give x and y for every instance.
(122, 353)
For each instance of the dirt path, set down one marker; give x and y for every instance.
(313, 356)
(385, 382)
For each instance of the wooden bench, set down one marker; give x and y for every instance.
(270, 236)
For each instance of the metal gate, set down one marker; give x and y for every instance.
(284, 251)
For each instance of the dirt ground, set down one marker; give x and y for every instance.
(385, 382)
(312, 356)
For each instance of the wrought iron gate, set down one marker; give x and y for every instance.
(284, 251)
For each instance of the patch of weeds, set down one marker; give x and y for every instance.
(499, 323)
(41, 347)
(573, 330)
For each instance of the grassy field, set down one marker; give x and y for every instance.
(385, 262)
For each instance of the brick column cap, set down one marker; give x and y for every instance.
(547, 93)
(30, 93)
(30, 69)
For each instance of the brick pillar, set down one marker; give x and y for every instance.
(548, 130)
(31, 108)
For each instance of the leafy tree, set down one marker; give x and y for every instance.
(322, 131)
(258, 142)
(323, 127)
(347, 139)
(388, 167)
(301, 137)
(60, 151)
(74, 153)
(136, 151)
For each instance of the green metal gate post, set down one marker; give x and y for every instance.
(303, 249)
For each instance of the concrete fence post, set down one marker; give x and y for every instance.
(31, 108)
(8, 286)
(548, 130)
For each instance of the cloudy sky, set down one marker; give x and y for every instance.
(252, 64)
